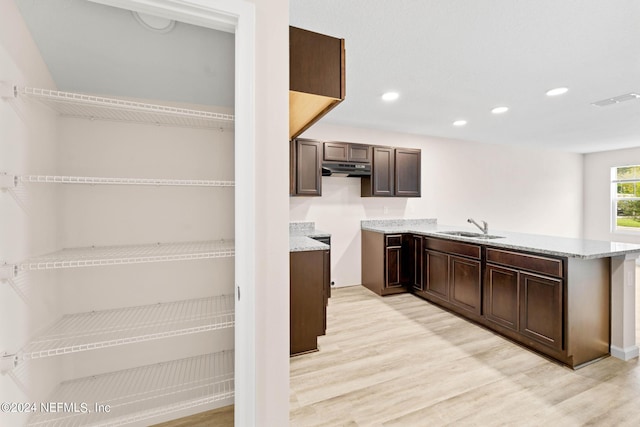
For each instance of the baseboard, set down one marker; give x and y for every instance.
(625, 353)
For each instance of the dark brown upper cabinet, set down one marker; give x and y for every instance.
(407, 174)
(316, 77)
(305, 174)
(381, 182)
(346, 152)
(395, 172)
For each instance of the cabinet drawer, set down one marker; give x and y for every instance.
(393, 240)
(457, 248)
(536, 263)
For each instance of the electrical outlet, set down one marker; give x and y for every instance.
(385, 210)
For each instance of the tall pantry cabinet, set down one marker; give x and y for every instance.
(117, 250)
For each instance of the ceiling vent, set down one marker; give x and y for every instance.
(616, 99)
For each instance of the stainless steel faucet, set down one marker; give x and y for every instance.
(484, 227)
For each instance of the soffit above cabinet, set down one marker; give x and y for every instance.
(92, 48)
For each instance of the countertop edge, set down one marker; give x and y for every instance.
(497, 244)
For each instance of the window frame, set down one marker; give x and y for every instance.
(615, 199)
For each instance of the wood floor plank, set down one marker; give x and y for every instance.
(401, 361)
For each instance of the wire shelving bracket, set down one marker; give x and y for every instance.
(8, 362)
(8, 181)
(8, 272)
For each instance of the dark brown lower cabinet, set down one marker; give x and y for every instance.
(393, 261)
(384, 264)
(557, 306)
(502, 296)
(465, 283)
(541, 309)
(436, 274)
(450, 279)
(308, 277)
(527, 303)
(416, 262)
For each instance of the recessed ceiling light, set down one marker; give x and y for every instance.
(557, 91)
(500, 110)
(460, 123)
(390, 96)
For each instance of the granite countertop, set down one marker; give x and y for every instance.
(301, 236)
(551, 245)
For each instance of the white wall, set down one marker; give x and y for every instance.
(272, 205)
(597, 193)
(27, 227)
(515, 189)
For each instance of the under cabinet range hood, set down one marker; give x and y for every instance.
(348, 169)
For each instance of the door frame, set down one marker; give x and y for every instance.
(237, 17)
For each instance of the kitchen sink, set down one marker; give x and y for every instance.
(471, 234)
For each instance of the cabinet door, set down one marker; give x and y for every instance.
(416, 262)
(308, 168)
(407, 172)
(336, 151)
(382, 173)
(359, 153)
(541, 301)
(465, 280)
(436, 274)
(393, 261)
(501, 296)
(327, 288)
(306, 300)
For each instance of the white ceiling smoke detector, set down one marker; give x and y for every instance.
(154, 23)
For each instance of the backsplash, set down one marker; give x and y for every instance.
(300, 226)
(397, 222)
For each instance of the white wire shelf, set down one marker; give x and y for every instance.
(94, 330)
(93, 180)
(96, 107)
(142, 393)
(130, 254)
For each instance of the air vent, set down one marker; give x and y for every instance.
(616, 99)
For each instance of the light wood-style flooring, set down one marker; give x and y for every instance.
(401, 361)
(221, 417)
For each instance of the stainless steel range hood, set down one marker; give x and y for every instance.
(348, 169)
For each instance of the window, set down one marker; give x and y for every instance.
(626, 198)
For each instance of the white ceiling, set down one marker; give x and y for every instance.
(448, 59)
(457, 59)
(103, 50)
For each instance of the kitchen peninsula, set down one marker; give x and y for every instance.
(569, 299)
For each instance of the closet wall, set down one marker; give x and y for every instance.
(147, 286)
(28, 142)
